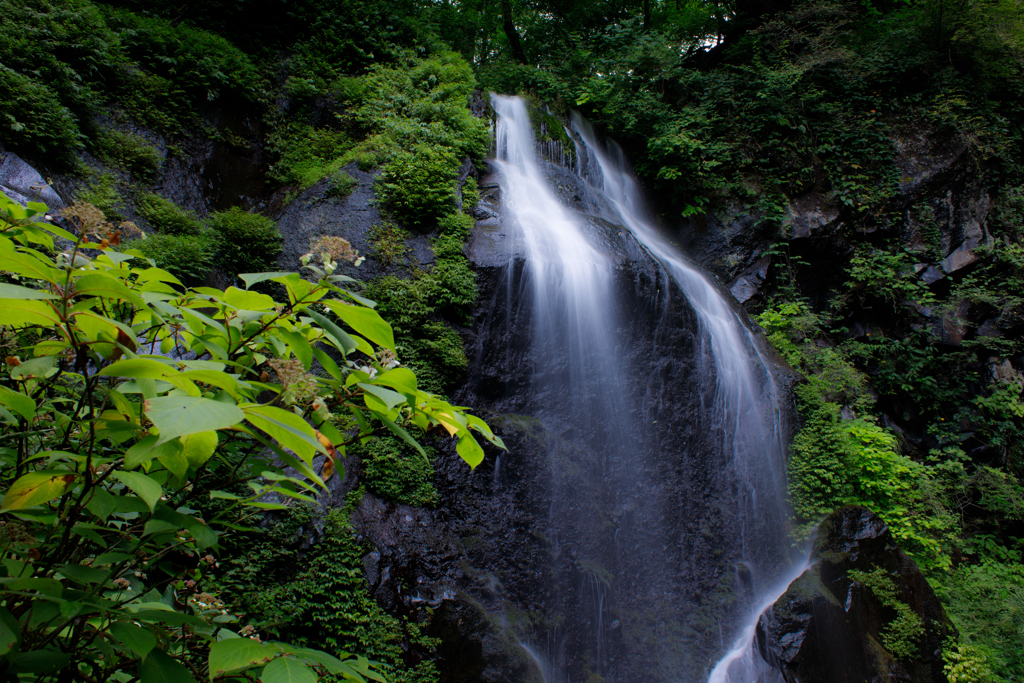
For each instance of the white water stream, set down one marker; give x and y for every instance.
(576, 327)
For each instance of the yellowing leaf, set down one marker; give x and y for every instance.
(37, 487)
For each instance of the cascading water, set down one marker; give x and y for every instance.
(667, 526)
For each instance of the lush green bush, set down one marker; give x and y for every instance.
(986, 602)
(34, 122)
(202, 66)
(340, 185)
(103, 193)
(305, 154)
(126, 151)
(190, 258)
(153, 462)
(397, 473)
(168, 217)
(249, 242)
(318, 596)
(418, 185)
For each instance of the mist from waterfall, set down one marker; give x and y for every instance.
(627, 599)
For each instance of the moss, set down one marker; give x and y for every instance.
(340, 185)
(301, 580)
(387, 241)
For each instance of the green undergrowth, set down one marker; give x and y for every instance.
(953, 498)
(899, 636)
(300, 579)
(235, 241)
(64, 62)
(422, 307)
(396, 472)
(126, 151)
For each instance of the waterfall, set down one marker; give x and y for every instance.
(666, 519)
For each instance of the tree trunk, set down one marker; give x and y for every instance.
(510, 32)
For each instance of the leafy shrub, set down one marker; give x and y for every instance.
(200, 64)
(249, 243)
(397, 473)
(986, 602)
(388, 243)
(418, 186)
(103, 193)
(168, 217)
(162, 461)
(34, 122)
(318, 596)
(900, 635)
(127, 151)
(305, 154)
(470, 194)
(340, 185)
(190, 258)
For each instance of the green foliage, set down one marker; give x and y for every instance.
(126, 151)
(103, 193)
(168, 217)
(198, 65)
(470, 194)
(249, 243)
(890, 276)
(190, 258)
(986, 602)
(900, 635)
(305, 154)
(340, 185)
(397, 473)
(388, 243)
(418, 185)
(318, 596)
(966, 664)
(123, 462)
(424, 342)
(34, 122)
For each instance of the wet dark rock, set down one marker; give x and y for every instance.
(810, 214)
(749, 282)
(828, 627)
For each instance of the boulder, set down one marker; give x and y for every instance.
(834, 624)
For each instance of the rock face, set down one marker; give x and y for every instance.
(830, 627)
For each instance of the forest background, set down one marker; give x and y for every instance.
(907, 326)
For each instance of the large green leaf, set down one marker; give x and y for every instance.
(246, 300)
(238, 654)
(22, 312)
(298, 345)
(400, 379)
(139, 640)
(9, 291)
(10, 632)
(146, 487)
(251, 279)
(339, 337)
(37, 487)
(470, 450)
(199, 447)
(160, 667)
(287, 428)
(177, 416)
(287, 670)
(102, 285)
(364, 321)
(18, 402)
(388, 397)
